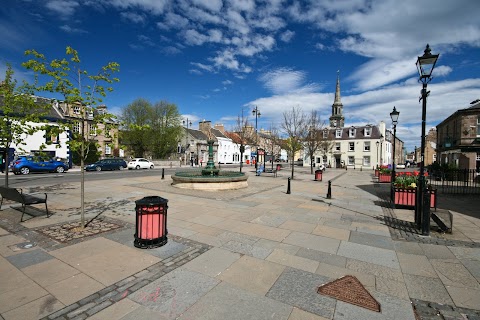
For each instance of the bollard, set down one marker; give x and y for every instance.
(163, 173)
(171, 164)
(288, 186)
(329, 192)
(346, 168)
(361, 168)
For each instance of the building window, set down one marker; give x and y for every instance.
(351, 132)
(51, 136)
(325, 134)
(351, 160)
(351, 146)
(108, 150)
(76, 109)
(366, 161)
(76, 127)
(368, 132)
(366, 146)
(478, 126)
(338, 133)
(337, 146)
(92, 129)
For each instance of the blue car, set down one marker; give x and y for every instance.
(27, 164)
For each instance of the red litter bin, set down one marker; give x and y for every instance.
(151, 222)
(248, 161)
(318, 175)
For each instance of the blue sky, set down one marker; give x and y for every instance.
(215, 58)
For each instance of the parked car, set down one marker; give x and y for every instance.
(140, 163)
(27, 164)
(107, 164)
(400, 166)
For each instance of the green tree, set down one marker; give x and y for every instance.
(79, 88)
(20, 115)
(166, 129)
(136, 119)
(295, 126)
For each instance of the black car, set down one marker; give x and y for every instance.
(107, 164)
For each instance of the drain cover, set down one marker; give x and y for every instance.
(349, 289)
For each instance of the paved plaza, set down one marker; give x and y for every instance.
(255, 253)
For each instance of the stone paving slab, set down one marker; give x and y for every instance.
(116, 311)
(324, 257)
(416, 265)
(426, 288)
(227, 301)
(361, 252)
(20, 296)
(392, 309)
(35, 309)
(174, 293)
(299, 289)
(465, 297)
(453, 273)
(29, 258)
(240, 274)
(286, 259)
(310, 241)
(49, 272)
(371, 240)
(213, 262)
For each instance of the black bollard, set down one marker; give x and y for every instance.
(361, 168)
(288, 186)
(163, 173)
(329, 192)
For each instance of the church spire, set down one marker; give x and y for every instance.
(337, 119)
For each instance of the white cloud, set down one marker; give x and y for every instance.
(212, 5)
(69, 29)
(133, 17)
(152, 6)
(62, 7)
(173, 21)
(227, 82)
(287, 36)
(285, 80)
(242, 5)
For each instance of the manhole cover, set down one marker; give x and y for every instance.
(349, 289)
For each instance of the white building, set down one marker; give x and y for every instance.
(354, 147)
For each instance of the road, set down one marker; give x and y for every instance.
(36, 179)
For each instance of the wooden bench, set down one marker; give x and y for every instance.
(272, 171)
(23, 198)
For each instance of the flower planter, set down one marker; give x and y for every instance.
(385, 177)
(407, 197)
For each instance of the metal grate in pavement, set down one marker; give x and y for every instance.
(348, 289)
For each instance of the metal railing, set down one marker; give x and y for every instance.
(457, 181)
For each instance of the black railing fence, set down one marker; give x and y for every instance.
(459, 181)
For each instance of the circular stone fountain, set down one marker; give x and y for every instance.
(209, 178)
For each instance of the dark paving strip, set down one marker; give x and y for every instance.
(431, 310)
(110, 295)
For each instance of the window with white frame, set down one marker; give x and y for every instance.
(351, 146)
(337, 146)
(108, 149)
(325, 134)
(92, 129)
(351, 160)
(368, 131)
(76, 109)
(338, 133)
(351, 132)
(366, 146)
(76, 127)
(366, 161)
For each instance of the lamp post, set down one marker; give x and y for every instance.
(187, 124)
(381, 149)
(377, 143)
(425, 65)
(394, 116)
(257, 114)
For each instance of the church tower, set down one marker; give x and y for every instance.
(337, 120)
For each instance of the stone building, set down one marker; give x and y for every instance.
(458, 138)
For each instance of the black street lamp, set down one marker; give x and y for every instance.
(377, 143)
(394, 116)
(257, 114)
(187, 124)
(425, 65)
